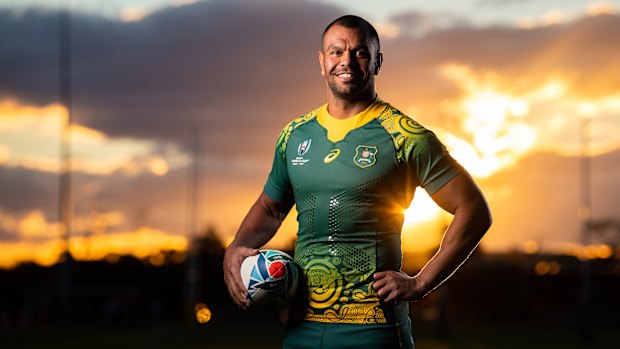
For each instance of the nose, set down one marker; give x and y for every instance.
(346, 58)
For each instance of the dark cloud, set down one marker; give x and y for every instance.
(239, 70)
(242, 68)
(229, 67)
(29, 56)
(25, 190)
(159, 202)
(580, 52)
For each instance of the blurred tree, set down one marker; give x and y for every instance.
(606, 231)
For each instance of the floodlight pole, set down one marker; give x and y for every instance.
(585, 216)
(65, 206)
(193, 270)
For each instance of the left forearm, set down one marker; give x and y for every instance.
(472, 218)
(470, 223)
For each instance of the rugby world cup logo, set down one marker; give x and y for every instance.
(304, 147)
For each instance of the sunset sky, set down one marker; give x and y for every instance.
(507, 85)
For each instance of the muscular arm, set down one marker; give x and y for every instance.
(472, 218)
(259, 226)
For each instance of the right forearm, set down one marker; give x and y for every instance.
(260, 224)
(255, 233)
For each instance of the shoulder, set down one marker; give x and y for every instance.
(406, 133)
(291, 126)
(398, 124)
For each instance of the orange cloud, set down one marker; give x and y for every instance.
(498, 95)
(493, 121)
(602, 8)
(5, 154)
(34, 225)
(142, 243)
(495, 124)
(96, 236)
(43, 253)
(31, 138)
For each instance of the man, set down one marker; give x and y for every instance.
(351, 167)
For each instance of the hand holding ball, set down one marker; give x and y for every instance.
(271, 279)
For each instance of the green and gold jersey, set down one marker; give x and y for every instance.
(351, 190)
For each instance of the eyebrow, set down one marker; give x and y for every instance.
(358, 48)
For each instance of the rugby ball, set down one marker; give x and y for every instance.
(271, 279)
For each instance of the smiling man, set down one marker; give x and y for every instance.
(352, 167)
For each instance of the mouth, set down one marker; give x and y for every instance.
(346, 76)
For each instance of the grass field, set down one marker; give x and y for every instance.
(267, 336)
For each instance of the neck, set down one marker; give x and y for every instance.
(341, 108)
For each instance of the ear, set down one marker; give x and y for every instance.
(321, 63)
(378, 62)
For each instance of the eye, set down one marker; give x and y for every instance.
(362, 53)
(335, 52)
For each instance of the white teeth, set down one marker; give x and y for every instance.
(345, 75)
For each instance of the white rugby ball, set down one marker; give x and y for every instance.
(271, 279)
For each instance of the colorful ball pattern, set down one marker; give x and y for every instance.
(271, 279)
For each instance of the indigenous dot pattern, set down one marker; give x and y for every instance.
(354, 258)
(350, 203)
(309, 202)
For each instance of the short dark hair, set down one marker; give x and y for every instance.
(354, 22)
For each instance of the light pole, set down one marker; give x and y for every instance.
(192, 270)
(65, 205)
(585, 216)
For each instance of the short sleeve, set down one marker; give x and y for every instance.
(434, 167)
(278, 186)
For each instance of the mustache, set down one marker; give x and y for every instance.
(346, 71)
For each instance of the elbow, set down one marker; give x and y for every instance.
(485, 217)
(489, 219)
(479, 218)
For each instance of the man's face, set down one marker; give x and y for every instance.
(349, 62)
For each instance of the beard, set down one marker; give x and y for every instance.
(350, 92)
